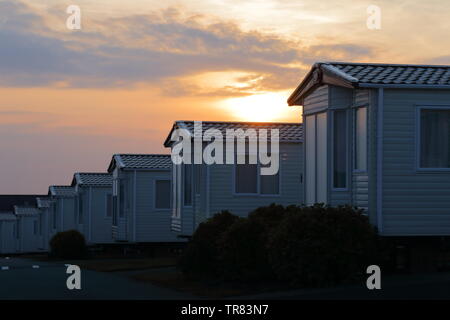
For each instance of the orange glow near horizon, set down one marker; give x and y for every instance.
(269, 106)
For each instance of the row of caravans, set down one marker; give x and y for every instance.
(376, 136)
(138, 201)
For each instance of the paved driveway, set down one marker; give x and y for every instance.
(27, 279)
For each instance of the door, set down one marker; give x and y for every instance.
(316, 158)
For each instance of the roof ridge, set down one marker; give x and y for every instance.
(99, 173)
(142, 154)
(385, 64)
(243, 122)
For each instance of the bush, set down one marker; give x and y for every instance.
(201, 257)
(320, 245)
(243, 252)
(68, 245)
(269, 217)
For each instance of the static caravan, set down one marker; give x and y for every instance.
(142, 198)
(63, 211)
(44, 204)
(8, 239)
(27, 230)
(200, 190)
(94, 206)
(377, 136)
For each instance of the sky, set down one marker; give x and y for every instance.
(70, 99)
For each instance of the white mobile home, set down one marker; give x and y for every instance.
(94, 206)
(8, 238)
(62, 208)
(377, 136)
(27, 229)
(142, 198)
(201, 190)
(45, 221)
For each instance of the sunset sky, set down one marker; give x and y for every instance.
(69, 99)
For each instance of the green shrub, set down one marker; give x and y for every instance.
(320, 245)
(243, 252)
(68, 245)
(201, 257)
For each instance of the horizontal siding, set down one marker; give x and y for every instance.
(414, 203)
(316, 101)
(101, 225)
(221, 188)
(361, 190)
(152, 225)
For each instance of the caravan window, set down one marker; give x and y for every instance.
(340, 149)
(246, 177)
(109, 205)
(270, 184)
(434, 138)
(80, 209)
(54, 215)
(361, 139)
(162, 194)
(187, 168)
(122, 198)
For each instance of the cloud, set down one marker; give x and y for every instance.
(159, 48)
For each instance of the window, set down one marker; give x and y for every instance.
(340, 149)
(361, 139)
(270, 184)
(122, 199)
(246, 178)
(41, 224)
(109, 205)
(54, 215)
(187, 184)
(80, 209)
(248, 182)
(197, 178)
(35, 227)
(162, 194)
(434, 138)
(18, 229)
(114, 210)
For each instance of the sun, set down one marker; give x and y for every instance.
(269, 106)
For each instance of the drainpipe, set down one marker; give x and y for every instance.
(380, 160)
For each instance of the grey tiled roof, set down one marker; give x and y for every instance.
(62, 191)
(143, 161)
(288, 132)
(43, 202)
(7, 216)
(375, 73)
(93, 179)
(26, 211)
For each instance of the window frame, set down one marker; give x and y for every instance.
(170, 193)
(54, 216)
(80, 209)
(106, 205)
(258, 183)
(417, 143)
(355, 133)
(183, 181)
(347, 158)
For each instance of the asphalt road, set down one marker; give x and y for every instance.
(27, 279)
